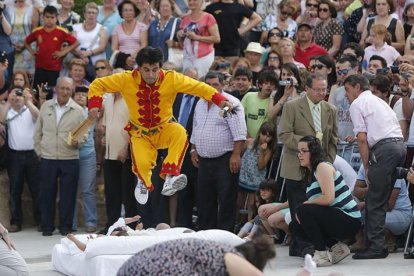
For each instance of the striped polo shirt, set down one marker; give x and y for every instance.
(343, 198)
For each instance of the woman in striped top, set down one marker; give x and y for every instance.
(329, 214)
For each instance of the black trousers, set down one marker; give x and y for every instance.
(216, 194)
(296, 194)
(323, 226)
(384, 158)
(43, 76)
(120, 184)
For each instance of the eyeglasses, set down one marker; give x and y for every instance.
(323, 10)
(312, 5)
(343, 71)
(275, 34)
(100, 68)
(91, 12)
(320, 90)
(319, 66)
(302, 151)
(273, 58)
(285, 13)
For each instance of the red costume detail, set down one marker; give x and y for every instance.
(94, 101)
(218, 98)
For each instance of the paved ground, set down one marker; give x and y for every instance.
(37, 249)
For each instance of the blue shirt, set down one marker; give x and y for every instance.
(89, 146)
(157, 38)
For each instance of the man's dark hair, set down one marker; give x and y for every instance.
(353, 61)
(314, 76)
(150, 55)
(353, 80)
(381, 59)
(382, 83)
(50, 10)
(267, 75)
(213, 75)
(359, 51)
(243, 72)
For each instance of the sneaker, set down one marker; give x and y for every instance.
(173, 184)
(141, 193)
(322, 258)
(339, 252)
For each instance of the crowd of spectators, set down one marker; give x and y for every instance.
(282, 64)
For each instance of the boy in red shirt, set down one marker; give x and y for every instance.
(49, 53)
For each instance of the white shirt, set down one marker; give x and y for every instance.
(375, 117)
(60, 110)
(21, 130)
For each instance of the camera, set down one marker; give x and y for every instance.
(3, 57)
(46, 89)
(401, 173)
(19, 92)
(286, 82)
(395, 69)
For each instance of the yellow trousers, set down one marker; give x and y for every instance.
(144, 147)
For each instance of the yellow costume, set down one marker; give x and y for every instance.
(152, 125)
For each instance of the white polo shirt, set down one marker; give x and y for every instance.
(20, 130)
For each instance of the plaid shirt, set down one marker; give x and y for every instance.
(214, 135)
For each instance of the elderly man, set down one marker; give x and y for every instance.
(58, 159)
(216, 146)
(380, 143)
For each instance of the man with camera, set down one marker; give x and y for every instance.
(380, 143)
(22, 162)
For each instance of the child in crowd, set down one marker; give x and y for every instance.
(265, 194)
(257, 154)
(381, 45)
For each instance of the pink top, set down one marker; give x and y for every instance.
(372, 115)
(200, 27)
(129, 44)
(387, 52)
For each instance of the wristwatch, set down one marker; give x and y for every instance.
(5, 232)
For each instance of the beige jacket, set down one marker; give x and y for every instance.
(50, 140)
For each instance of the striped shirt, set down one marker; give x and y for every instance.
(214, 135)
(343, 198)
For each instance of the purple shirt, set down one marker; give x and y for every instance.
(214, 135)
(375, 117)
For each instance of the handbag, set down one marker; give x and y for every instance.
(175, 55)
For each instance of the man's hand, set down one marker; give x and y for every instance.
(28, 98)
(3, 66)
(235, 163)
(410, 176)
(58, 54)
(93, 113)
(350, 138)
(194, 158)
(226, 103)
(123, 154)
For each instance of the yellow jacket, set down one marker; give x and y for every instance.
(150, 105)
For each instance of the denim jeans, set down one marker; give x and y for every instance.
(87, 190)
(21, 166)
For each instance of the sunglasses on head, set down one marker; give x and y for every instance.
(323, 10)
(343, 71)
(100, 68)
(319, 66)
(285, 13)
(312, 5)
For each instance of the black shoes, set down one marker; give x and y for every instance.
(47, 233)
(370, 254)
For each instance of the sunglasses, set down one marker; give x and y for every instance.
(223, 65)
(319, 66)
(100, 68)
(312, 5)
(323, 10)
(285, 13)
(276, 34)
(343, 71)
(273, 58)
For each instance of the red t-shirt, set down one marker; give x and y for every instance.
(47, 44)
(312, 51)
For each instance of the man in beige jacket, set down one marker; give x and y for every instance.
(58, 160)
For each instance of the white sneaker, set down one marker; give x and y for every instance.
(173, 184)
(141, 193)
(339, 252)
(322, 258)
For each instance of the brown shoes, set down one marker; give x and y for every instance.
(14, 228)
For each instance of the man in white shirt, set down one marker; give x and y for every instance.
(380, 143)
(22, 162)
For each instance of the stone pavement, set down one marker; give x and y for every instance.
(37, 249)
